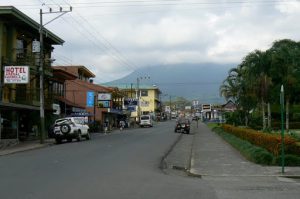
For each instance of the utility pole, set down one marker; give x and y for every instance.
(138, 96)
(170, 107)
(41, 70)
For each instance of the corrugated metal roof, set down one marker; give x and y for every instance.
(10, 12)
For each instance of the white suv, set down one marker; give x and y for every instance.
(69, 128)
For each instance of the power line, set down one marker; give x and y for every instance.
(149, 3)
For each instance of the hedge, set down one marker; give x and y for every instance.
(251, 152)
(271, 142)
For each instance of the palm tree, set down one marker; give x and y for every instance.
(258, 67)
(285, 56)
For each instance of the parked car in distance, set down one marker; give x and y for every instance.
(70, 128)
(182, 125)
(195, 118)
(146, 120)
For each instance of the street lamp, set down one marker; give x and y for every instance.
(282, 128)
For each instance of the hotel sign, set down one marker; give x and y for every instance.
(16, 75)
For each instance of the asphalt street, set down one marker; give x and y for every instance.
(119, 165)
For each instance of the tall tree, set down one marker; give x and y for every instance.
(285, 57)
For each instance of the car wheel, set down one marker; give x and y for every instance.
(79, 136)
(88, 136)
(58, 140)
(187, 132)
(65, 128)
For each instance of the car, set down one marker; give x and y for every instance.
(70, 128)
(146, 120)
(182, 125)
(195, 118)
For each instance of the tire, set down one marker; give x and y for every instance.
(79, 136)
(187, 132)
(58, 140)
(65, 128)
(88, 136)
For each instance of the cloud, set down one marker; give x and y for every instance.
(116, 39)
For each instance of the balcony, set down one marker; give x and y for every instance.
(22, 96)
(31, 60)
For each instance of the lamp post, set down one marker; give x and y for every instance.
(282, 127)
(41, 70)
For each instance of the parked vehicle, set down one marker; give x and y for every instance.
(182, 125)
(70, 128)
(146, 120)
(195, 118)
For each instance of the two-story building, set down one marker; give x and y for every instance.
(19, 99)
(142, 100)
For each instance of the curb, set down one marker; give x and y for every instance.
(163, 163)
(22, 149)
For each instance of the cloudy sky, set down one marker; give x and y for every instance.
(114, 37)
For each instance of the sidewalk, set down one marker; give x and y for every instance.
(212, 156)
(25, 146)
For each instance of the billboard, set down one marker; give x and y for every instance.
(104, 96)
(16, 75)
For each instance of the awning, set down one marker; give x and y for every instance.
(68, 102)
(13, 106)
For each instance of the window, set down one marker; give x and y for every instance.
(144, 93)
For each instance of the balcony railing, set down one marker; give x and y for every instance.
(26, 97)
(32, 60)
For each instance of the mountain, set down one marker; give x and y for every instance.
(191, 81)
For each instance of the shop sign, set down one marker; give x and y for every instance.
(90, 99)
(104, 104)
(104, 96)
(56, 109)
(131, 108)
(131, 102)
(16, 75)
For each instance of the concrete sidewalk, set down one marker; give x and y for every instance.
(25, 146)
(212, 156)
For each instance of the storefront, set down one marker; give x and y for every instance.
(18, 122)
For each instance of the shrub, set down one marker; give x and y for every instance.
(251, 152)
(271, 142)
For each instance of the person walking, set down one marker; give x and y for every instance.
(106, 126)
(122, 125)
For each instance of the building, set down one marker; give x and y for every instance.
(148, 102)
(19, 100)
(86, 99)
(62, 106)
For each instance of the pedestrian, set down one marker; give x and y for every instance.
(122, 125)
(105, 126)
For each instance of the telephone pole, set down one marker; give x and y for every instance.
(41, 70)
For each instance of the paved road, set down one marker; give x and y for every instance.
(119, 165)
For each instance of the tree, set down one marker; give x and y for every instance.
(285, 65)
